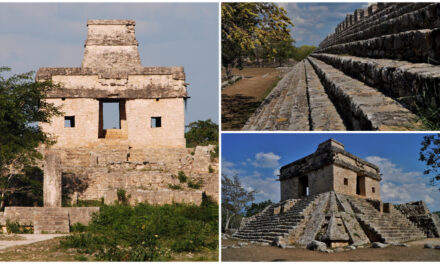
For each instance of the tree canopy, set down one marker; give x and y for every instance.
(248, 26)
(201, 133)
(255, 208)
(21, 107)
(234, 197)
(430, 155)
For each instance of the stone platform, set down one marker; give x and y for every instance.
(334, 218)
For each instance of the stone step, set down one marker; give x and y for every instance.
(406, 81)
(363, 107)
(391, 12)
(423, 43)
(323, 114)
(259, 117)
(408, 17)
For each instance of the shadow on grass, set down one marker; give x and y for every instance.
(236, 110)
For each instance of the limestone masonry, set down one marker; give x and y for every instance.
(332, 196)
(146, 155)
(375, 72)
(150, 99)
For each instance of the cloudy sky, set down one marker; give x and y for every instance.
(34, 35)
(314, 21)
(256, 159)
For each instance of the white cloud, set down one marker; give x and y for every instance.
(276, 172)
(399, 186)
(228, 168)
(319, 25)
(267, 188)
(266, 160)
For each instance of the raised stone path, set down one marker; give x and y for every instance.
(374, 73)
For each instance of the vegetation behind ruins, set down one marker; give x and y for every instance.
(201, 133)
(147, 232)
(21, 106)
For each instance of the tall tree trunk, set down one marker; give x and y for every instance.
(227, 222)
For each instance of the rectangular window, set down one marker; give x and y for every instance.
(156, 121)
(111, 115)
(345, 181)
(373, 190)
(69, 121)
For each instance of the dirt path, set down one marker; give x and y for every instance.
(240, 99)
(415, 252)
(25, 239)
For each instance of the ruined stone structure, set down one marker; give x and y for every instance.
(151, 99)
(143, 156)
(370, 74)
(330, 168)
(334, 197)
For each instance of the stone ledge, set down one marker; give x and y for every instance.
(46, 73)
(150, 92)
(111, 22)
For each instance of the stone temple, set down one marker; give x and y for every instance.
(143, 154)
(150, 99)
(334, 197)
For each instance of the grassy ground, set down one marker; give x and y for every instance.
(415, 252)
(242, 98)
(51, 250)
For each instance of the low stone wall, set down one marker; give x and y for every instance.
(27, 215)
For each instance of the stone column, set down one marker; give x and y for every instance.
(52, 180)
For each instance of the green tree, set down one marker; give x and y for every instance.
(246, 26)
(255, 208)
(430, 155)
(21, 106)
(234, 198)
(300, 53)
(201, 133)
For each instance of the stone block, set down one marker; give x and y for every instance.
(52, 179)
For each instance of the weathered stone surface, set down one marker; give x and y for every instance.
(52, 180)
(317, 245)
(327, 170)
(378, 245)
(145, 174)
(368, 109)
(418, 213)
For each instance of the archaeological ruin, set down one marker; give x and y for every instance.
(332, 196)
(377, 71)
(145, 155)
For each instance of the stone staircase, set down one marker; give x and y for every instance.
(374, 73)
(381, 226)
(269, 225)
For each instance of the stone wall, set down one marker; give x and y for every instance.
(147, 175)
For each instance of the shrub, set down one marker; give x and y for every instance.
(122, 196)
(195, 185)
(214, 153)
(174, 187)
(148, 232)
(16, 228)
(182, 177)
(210, 169)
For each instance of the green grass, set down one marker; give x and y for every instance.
(267, 92)
(147, 232)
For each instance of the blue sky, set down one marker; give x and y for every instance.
(314, 21)
(256, 159)
(34, 35)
